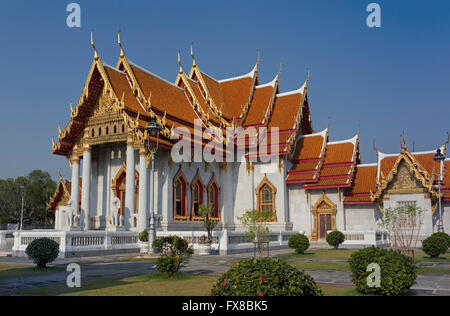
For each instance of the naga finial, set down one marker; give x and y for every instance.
(122, 53)
(93, 46)
(192, 55)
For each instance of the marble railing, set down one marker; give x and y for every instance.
(367, 238)
(71, 243)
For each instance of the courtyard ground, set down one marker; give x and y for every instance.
(111, 275)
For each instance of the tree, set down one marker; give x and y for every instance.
(403, 223)
(39, 187)
(257, 229)
(206, 213)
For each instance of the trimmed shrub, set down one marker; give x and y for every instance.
(265, 277)
(299, 242)
(335, 238)
(175, 252)
(434, 246)
(444, 236)
(42, 251)
(398, 272)
(143, 236)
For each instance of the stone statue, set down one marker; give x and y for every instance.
(115, 217)
(70, 214)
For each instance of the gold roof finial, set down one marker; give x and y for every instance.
(307, 78)
(446, 143)
(359, 130)
(194, 64)
(93, 46)
(329, 122)
(122, 53)
(258, 61)
(179, 63)
(279, 71)
(53, 141)
(71, 109)
(59, 130)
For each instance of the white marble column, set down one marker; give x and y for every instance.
(142, 209)
(130, 188)
(85, 215)
(75, 185)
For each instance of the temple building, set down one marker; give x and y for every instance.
(308, 185)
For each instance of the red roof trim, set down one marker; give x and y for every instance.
(328, 187)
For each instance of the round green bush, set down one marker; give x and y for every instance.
(299, 242)
(175, 252)
(434, 246)
(397, 271)
(143, 236)
(265, 277)
(444, 236)
(42, 251)
(335, 238)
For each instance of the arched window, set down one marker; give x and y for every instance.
(213, 196)
(265, 194)
(197, 189)
(179, 197)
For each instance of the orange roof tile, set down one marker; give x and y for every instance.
(258, 106)
(165, 96)
(310, 147)
(285, 111)
(365, 180)
(236, 94)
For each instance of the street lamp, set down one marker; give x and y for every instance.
(439, 157)
(153, 129)
(22, 188)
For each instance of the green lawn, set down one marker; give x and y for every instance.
(339, 290)
(317, 265)
(141, 285)
(138, 259)
(345, 254)
(14, 271)
(321, 254)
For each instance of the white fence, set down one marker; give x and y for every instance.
(79, 243)
(228, 242)
(365, 238)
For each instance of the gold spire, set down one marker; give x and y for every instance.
(258, 61)
(93, 46)
(122, 53)
(194, 64)
(279, 72)
(179, 62)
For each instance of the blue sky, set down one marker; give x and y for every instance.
(387, 80)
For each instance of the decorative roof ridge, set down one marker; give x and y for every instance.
(251, 74)
(373, 164)
(152, 74)
(322, 133)
(352, 140)
(269, 84)
(301, 90)
(112, 68)
(428, 152)
(204, 73)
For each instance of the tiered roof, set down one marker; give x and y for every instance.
(138, 94)
(372, 179)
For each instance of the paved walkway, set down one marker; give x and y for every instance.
(94, 268)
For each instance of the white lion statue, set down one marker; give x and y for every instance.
(70, 214)
(116, 218)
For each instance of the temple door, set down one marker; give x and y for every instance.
(324, 225)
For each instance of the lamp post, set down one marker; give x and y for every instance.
(153, 129)
(22, 188)
(439, 157)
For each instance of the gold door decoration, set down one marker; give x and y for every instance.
(323, 207)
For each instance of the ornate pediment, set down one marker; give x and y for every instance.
(407, 176)
(324, 204)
